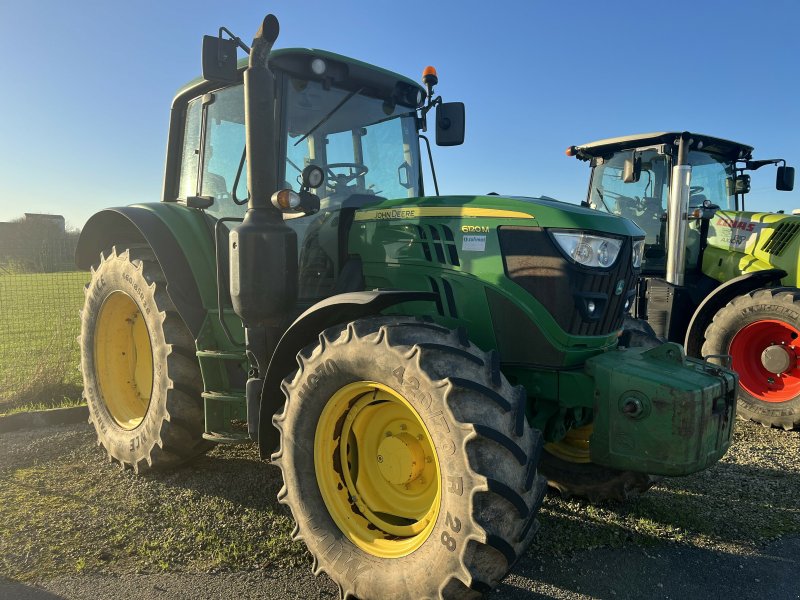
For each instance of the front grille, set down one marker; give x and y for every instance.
(781, 238)
(533, 262)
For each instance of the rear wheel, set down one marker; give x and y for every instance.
(141, 378)
(761, 333)
(407, 461)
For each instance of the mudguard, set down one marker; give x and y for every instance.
(719, 298)
(341, 308)
(116, 226)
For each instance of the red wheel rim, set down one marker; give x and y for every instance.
(746, 349)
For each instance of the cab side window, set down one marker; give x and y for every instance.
(223, 150)
(213, 150)
(190, 158)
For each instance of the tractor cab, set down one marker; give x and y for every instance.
(352, 127)
(633, 177)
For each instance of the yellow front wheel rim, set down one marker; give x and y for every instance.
(574, 447)
(377, 469)
(123, 360)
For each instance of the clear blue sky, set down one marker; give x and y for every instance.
(88, 84)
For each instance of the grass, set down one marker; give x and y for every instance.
(39, 326)
(32, 406)
(64, 509)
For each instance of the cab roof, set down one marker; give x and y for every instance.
(285, 56)
(606, 147)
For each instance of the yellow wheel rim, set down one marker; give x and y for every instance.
(123, 360)
(574, 447)
(377, 469)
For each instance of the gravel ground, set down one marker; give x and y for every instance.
(78, 527)
(617, 573)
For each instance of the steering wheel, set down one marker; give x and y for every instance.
(342, 179)
(626, 203)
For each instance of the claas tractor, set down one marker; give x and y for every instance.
(402, 358)
(717, 278)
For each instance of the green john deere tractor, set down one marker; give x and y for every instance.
(401, 357)
(719, 279)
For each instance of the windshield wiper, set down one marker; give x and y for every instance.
(600, 195)
(330, 114)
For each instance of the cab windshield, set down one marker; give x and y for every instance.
(643, 201)
(366, 146)
(368, 149)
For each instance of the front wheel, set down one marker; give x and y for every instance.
(567, 463)
(570, 471)
(407, 461)
(761, 333)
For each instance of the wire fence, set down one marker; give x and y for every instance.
(41, 294)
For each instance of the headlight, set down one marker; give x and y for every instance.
(589, 250)
(638, 252)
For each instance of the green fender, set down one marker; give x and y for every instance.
(181, 239)
(335, 310)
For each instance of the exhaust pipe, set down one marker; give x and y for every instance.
(678, 213)
(262, 249)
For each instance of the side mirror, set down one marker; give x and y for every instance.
(404, 174)
(450, 122)
(742, 184)
(219, 59)
(784, 181)
(632, 169)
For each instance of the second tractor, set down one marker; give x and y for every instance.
(720, 279)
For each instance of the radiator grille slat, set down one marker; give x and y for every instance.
(781, 238)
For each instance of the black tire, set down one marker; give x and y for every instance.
(169, 430)
(591, 481)
(637, 333)
(486, 453)
(779, 305)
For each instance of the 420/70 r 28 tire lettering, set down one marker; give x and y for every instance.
(422, 482)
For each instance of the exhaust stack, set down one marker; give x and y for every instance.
(678, 213)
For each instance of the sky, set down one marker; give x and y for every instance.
(88, 85)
